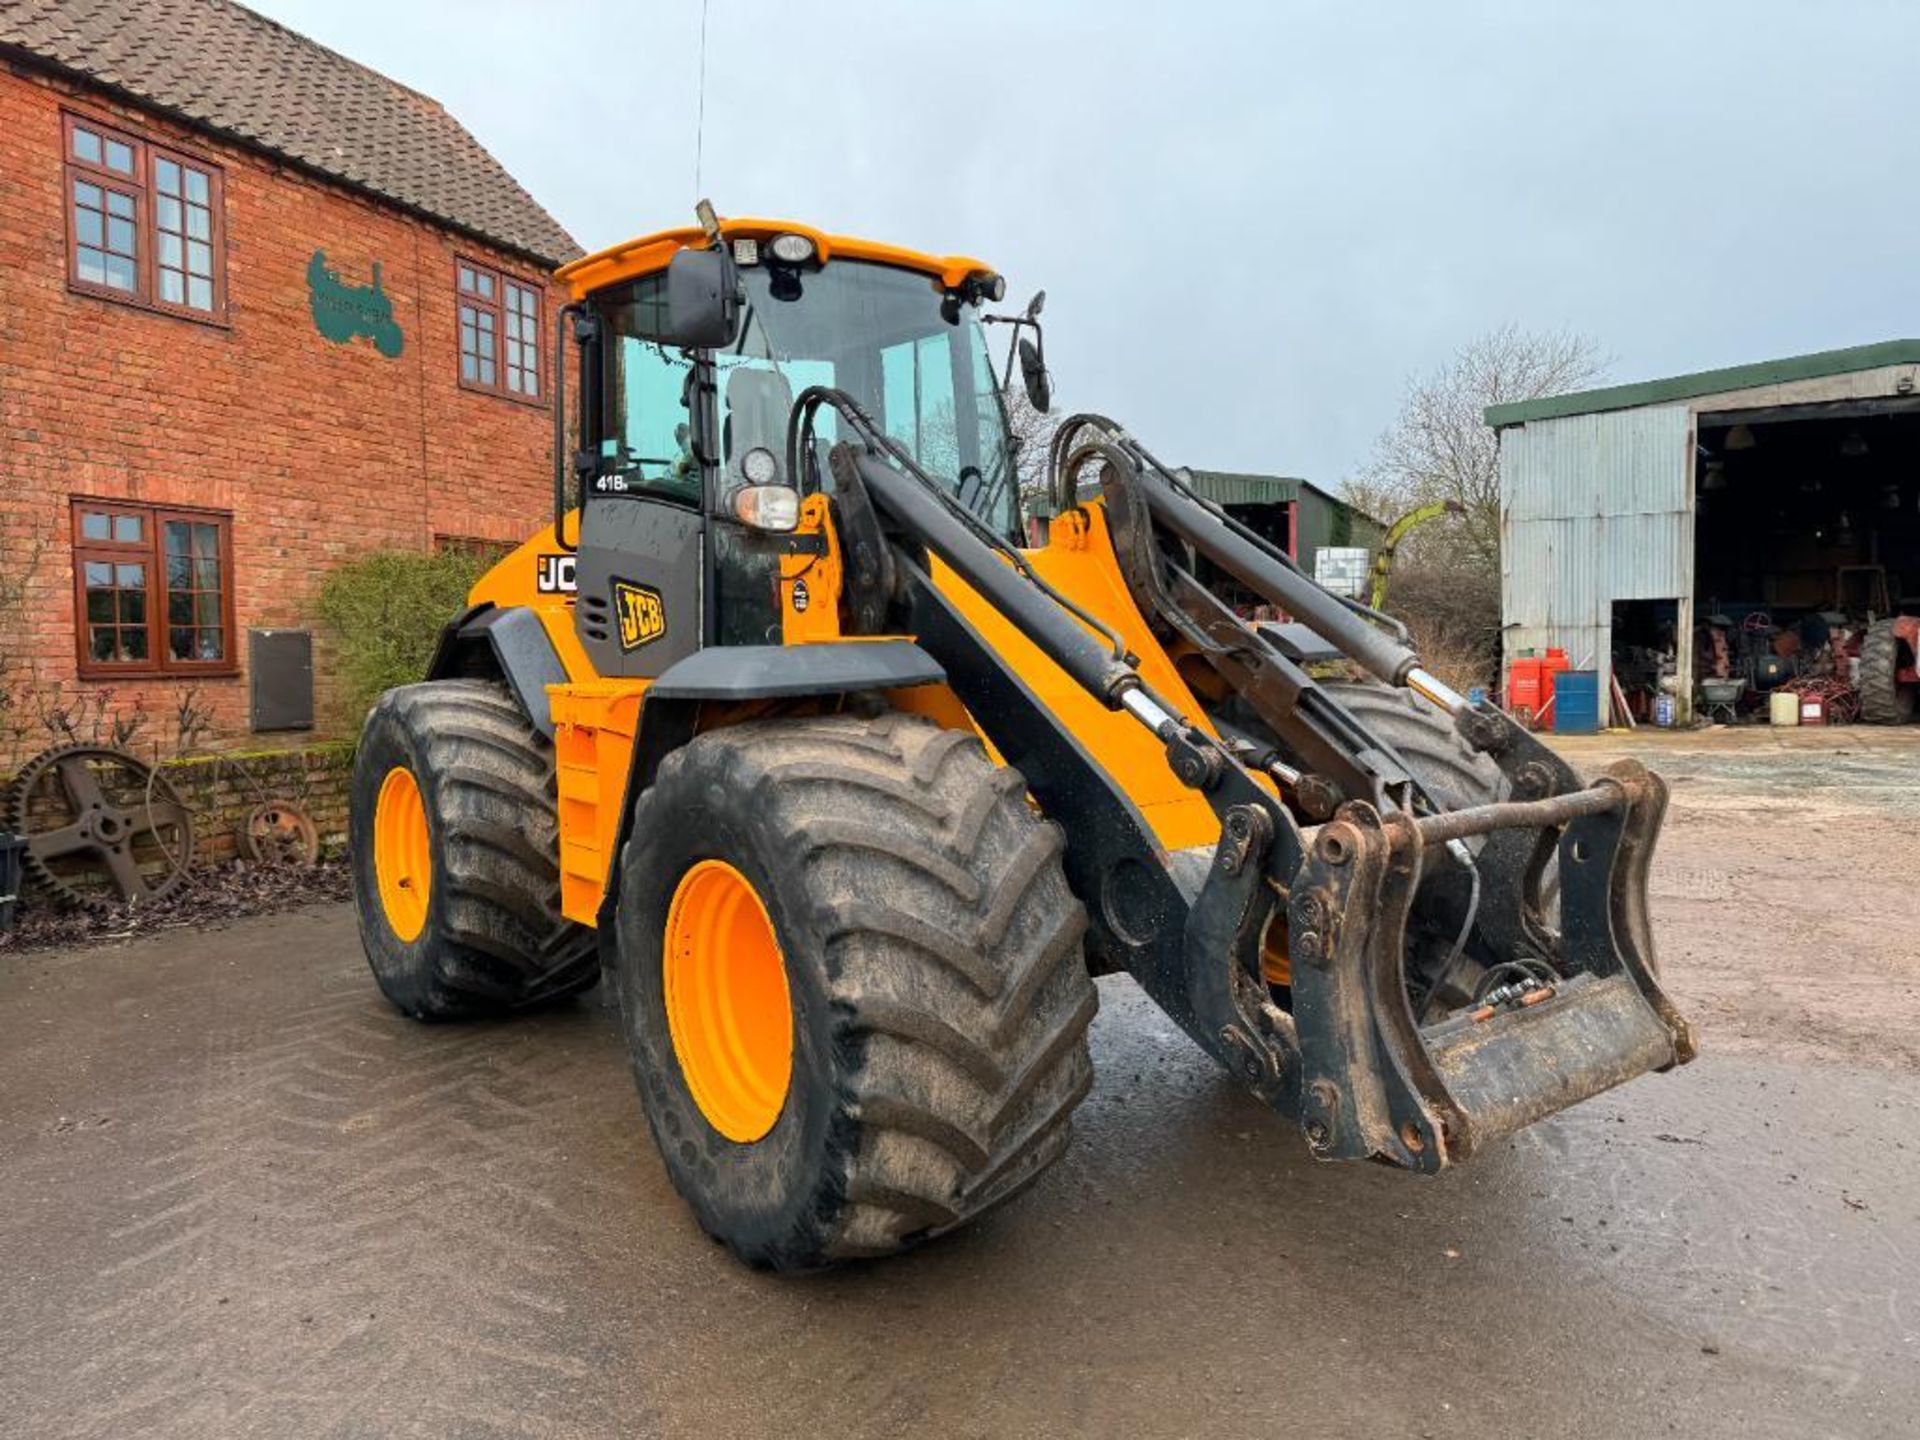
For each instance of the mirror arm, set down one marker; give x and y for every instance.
(1013, 342)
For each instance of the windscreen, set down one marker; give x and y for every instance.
(875, 331)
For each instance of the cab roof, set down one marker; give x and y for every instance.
(649, 253)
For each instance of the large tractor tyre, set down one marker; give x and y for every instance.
(1453, 772)
(853, 984)
(1883, 654)
(455, 850)
(1457, 777)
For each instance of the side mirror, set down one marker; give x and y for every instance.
(1033, 373)
(1036, 304)
(703, 299)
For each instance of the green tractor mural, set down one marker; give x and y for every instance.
(342, 311)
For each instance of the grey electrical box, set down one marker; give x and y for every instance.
(280, 664)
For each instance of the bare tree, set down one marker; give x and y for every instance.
(1032, 434)
(1439, 447)
(1446, 584)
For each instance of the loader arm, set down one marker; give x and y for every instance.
(1345, 1054)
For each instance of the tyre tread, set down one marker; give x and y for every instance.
(953, 960)
(504, 945)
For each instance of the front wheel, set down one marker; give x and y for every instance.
(853, 984)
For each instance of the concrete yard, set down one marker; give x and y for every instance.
(239, 1196)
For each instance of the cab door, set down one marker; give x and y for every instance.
(642, 568)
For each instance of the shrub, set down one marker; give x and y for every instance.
(1453, 614)
(383, 614)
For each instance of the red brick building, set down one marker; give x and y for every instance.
(260, 309)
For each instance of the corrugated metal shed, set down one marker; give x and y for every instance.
(1328, 520)
(1594, 509)
(1596, 490)
(1821, 365)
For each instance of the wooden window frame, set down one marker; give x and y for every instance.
(142, 186)
(151, 552)
(497, 308)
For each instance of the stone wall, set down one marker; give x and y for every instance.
(222, 790)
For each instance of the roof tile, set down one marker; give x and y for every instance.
(232, 71)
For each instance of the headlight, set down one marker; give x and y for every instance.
(767, 507)
(994, 287)
(791, 249)
(759, 466)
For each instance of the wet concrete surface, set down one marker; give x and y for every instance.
(240, 1197)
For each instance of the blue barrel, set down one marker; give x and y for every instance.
(1576, 702)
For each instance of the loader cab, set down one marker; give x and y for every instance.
(685, 400)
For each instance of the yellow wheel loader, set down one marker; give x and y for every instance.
(849, 793)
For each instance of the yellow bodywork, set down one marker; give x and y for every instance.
(596, 719)
(650, 253)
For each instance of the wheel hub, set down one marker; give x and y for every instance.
(729, 1010)
(402, 853)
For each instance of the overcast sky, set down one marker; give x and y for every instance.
(1253, 221)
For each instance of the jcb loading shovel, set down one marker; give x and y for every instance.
(851, 795)
(1348, 1057)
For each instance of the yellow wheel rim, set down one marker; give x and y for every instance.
(728, 1009)
(402, 853)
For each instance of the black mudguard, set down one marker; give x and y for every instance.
(490, 643)
(669, 717)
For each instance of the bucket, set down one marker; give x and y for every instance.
(1576, 702)
(1783, 708)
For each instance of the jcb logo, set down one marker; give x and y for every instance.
(553, 575)
(643, 619)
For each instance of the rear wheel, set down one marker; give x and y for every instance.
(853, 984)
(1883, 655)
(456, 856)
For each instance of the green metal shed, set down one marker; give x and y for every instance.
(1290, 511)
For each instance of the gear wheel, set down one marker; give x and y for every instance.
(280, 831)
(96, 810)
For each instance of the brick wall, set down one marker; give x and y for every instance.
(319, 451)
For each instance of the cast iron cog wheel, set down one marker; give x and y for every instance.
(96, 810)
